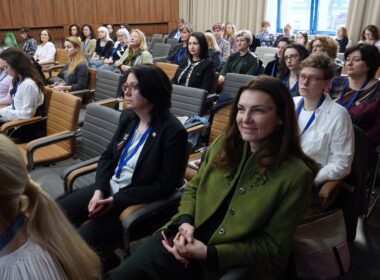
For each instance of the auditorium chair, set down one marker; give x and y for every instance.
(233, 82)
(168, 68)
(160, 52)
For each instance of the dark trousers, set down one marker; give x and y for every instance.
(153, 261)
(99, 232)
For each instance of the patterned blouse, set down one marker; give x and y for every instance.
(30, 46)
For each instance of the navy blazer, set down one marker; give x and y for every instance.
(160, 167)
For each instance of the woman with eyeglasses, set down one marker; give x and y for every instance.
(359, 92)
(144, 162)
(289, 68)
(325, 127)
(87, 36)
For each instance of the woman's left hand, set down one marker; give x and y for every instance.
(107, 201)
(193, 250)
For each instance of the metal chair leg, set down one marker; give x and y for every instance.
(373, 196)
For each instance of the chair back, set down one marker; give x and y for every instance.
(63, 116)
(261, 52)
(160, 49)
(172, 42)
(60, 56)
(233, 82)
(219, 122)
(168, 68)
(47, 97)
(188, 101)
(157, 36)
(108, 85)
(100, 124)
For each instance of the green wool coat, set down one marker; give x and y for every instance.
(262, 215)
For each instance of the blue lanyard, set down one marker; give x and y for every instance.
(14, 94)
(312, 118)
(124, 158)
(2, 78)
(179, 55)
(294, 88)
(353, 98)
(274, 69)
(11, 232)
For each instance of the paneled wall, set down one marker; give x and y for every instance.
(151, 16)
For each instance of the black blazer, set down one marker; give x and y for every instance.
(160, 167)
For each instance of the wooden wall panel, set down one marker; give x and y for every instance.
(108, 11)
(43, 12)
(85, 11)
(22, 13)
(129, 11)
(63, 12)
(5, 15)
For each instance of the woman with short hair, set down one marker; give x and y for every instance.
(178, 52)
(30, 44)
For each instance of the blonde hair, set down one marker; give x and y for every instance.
(211, 41)
(105, 30)
(143, 46)
(234, 30)
(46, 224)
(79, 57)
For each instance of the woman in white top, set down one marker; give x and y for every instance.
(5, 83)
(325, 126)
(370, 36)
(26, 93)
(45, 52)
(36, 240)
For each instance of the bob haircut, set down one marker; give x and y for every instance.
(22, 65)
(203, 45)
(154, 85)
(92, 34)
(49, 35)
(284, 141)
(219, 26)
(322, 62)
(187, 27)
(373, 29)
(246, 34)
(370, 55)
(78, 29)
(265, 23)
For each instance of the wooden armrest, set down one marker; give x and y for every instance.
(196, 128)
(77, 173)
(47, 63)
(108, 102)
(129, 210)
(20, 122)
(328, 188)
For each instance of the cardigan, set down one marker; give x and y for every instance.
(247, 64)
(160, 167)
(263, 212)
(104, 51)
(89, 48)
(141, 58)
(45, 53)
(198, 74)
(78, 78)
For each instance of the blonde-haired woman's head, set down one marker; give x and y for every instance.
(211, 41)
(14, 178)
(137, 40)
(103, 33)
(74, 52)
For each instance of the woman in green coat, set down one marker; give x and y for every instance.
(245, 202)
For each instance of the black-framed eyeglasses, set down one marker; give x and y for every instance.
(132, 87)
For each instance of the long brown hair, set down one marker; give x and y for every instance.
(22, 65)
(46, 224)
(283, 142)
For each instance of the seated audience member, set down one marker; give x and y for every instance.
(370, 36)
(37, 240)
(46, 50)
(302, 38)
(289, 69)
(74, 75)
(74, 30)
(243, 206)
(224, 45)
(272, 67)
(144, 162)
(88, 40)
(243, 61)
(111, 32)
(286, 34)
(118, 50)
(30, 44)
(176, 32)
(137, 52)
(5, 84)
(26, 93)
(213, 51)
(104, 45)
(360, 91)
(342, 38)
(230, 36)
(266, 38)
(325, 44)
(325, 126)
(197, 71)
(178, 53)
